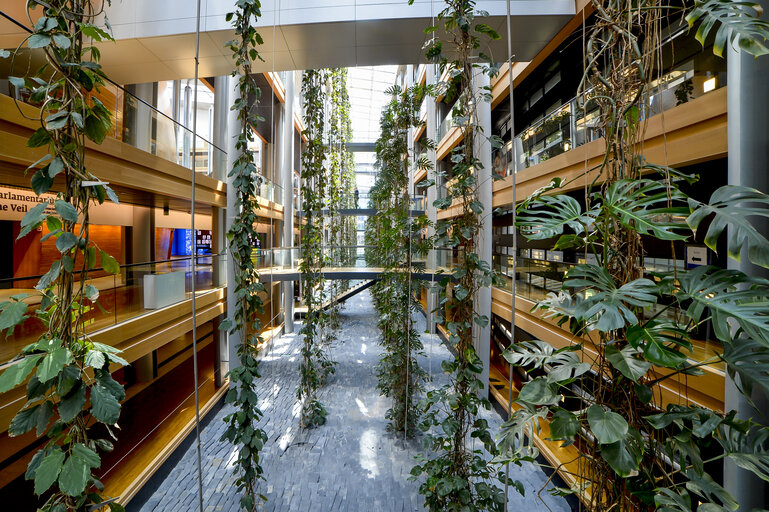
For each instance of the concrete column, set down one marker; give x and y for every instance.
(431, 131)
(219, 132)
(140, 123)
(233, 129)
(748, 133)
(143, 235)
(482, 148)
(286, 145)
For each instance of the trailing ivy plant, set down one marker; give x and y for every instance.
(638, 449)
(242, 430)
(397, 243)
(69, 387)
(316, 365)
(457, 476)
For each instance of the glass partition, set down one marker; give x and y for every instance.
(137, 290)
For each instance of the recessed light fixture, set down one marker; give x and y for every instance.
(709, 84)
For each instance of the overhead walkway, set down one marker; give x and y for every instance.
(344, 262)
(364, 207)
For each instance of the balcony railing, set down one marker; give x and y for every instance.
(573, 125)
(122, 296)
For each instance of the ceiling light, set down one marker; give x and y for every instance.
(709, 84)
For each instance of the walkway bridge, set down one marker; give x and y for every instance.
(344, 262)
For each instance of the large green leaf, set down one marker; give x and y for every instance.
(705, 487)
(515, 437)
(18, 373)
(732, 207)
(736, 21)
(624, 455)
(52, 363)
(607, 426)
(661, 342)
(538, 392)
(564, 425)
(746, 449)
(749, 360)
(627, 361)
(605, 308)
(648, 207)
(74, 476)
(12, 315)
(104, 405)
(731, 297)
(547, 216)
(48, 470)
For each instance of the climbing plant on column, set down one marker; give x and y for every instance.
(397, 244)
(639, 448)
(456, 476)
(69, 387)
(316, 364)
(242, 430)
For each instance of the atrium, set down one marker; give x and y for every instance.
(387, 255)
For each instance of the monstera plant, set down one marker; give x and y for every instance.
(639, 447)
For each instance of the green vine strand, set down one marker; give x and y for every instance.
(638, 448)
(456, 476)
(242, 430)
(316, 364)
(400, 252)
(69, 387)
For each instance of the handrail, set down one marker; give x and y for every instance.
(125, 265)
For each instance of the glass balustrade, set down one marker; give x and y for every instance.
(137, 290)
(574, 123)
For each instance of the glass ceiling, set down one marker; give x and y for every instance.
(366, 86)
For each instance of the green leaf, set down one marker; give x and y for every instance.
(24, 421)
(624, 455)
(50, 276)
(41, 182)
(91, 292)
(66, 241)
(48, 470)
(104, 405)
(95, 359)
(749, 360)
(13, 314)
(87, 455)
(563, 426)
(118, 391)
(642, 205)
(627, 362)
(731, 297)
(546, 217)
(74, 476)
(707, 488)
(71, 405)
(736, 22)
(66, 211)
(607, 426)
(52, 363)
(18, 373)
(55, 167)
(606, 308)
(538, 392)
(41, 137)
(38, 41)
(96, 129)
(109, 264)
(732, 207)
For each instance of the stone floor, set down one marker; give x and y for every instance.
(349, 464)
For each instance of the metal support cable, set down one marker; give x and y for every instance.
(194, 259)
(515, 234)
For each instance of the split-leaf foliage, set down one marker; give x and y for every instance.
(638, 451)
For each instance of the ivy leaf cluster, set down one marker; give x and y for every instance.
(242, 425)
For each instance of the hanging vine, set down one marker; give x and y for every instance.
(397, 243)
(70, 389)
(242, 430)
(637, 450)
(316, 364)
(456, 475)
